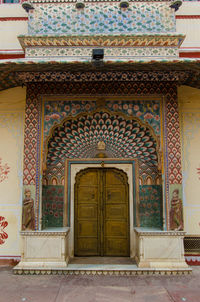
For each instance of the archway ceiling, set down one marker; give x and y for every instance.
(78, 138)
(10, 70)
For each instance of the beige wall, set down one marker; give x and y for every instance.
(9, 30)
(189, 27)
(12, 105)
(189, 102)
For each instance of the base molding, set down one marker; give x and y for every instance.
(159, 249)
(103, 271)
(44, 249)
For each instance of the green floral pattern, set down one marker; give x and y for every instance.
(52, 202)
(151, 206)
(101, 18)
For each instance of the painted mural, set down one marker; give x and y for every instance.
(146, 110)
(53, 205)
(130, 134)
(4, 170)
(151, 206)
(176, 209)
(101, 18)
(171, 119)
(123, 138)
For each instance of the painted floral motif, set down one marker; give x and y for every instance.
(101, 18)
(53, 205)
(4, 170)
(56, 111)
(150, 206)
(147, 111)
(3, 234)
(121, 52)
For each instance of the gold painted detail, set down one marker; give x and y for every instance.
(151, 40)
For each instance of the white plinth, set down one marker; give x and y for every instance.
(48, 248)
(159, 249)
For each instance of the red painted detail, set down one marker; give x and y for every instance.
(4, 170)
(14, 19)
(193, 262)
(3, 234)
(194, 54)
(188, 17)
(11, 56)
(9, 262)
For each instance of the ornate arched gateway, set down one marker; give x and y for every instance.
(124, 133)
(103, 134)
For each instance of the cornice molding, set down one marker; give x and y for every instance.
(92, 1)
(158, 233)
(56, 76)
(138, 40)
(45, 233)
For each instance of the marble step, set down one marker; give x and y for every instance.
(102, 269)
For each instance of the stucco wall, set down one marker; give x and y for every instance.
(189, 102)
(12, 105)
(190, 27)
(10, 29)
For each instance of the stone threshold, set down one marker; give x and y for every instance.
(105, 269)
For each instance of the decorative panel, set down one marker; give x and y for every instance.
(101, 18)
(53, 201)
(123, 138)
(98, 88)
(151, 206)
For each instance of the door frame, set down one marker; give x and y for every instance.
(130, 167)
(101, 207)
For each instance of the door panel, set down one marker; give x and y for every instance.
(87, 211)
(116, 223)
(114, 211)
(115, 194)
(115, 229)
(101, 213)
(116, 247)
(87, 247)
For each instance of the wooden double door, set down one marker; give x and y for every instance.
(101, 213)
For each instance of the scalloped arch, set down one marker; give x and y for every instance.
(124, 137)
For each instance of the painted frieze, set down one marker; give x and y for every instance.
(101, 18)
(146, 110)
(109, 53)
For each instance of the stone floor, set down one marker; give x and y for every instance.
(70, 288)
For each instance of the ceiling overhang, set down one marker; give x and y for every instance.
(19, 72)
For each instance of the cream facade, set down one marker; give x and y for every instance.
(58, 86)
(12, 106)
